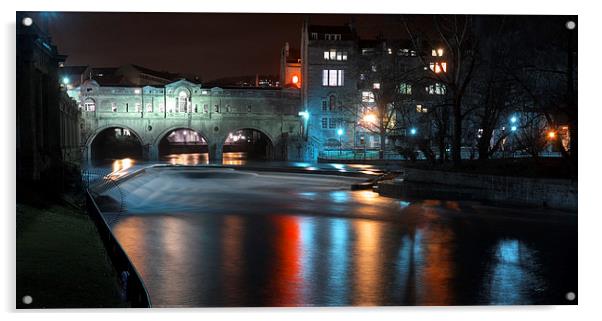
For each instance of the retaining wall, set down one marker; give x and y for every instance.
(551, 193)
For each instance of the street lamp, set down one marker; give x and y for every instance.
(65, 80)
(369, 118)
(513, 119)
(413, 131)
(340, 132)
(552, 134)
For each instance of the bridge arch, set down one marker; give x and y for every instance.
(114, 141)
(247, 143)
(182, 145)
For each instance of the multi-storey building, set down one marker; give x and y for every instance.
(329, 83)
(341, 74)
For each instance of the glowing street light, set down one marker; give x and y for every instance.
(340, 131)
(413, 131)
(513, 128)
(513, 119)
(369, 118)
(65, 80)
(552, 134)
(304, 114)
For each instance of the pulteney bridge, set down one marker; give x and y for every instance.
(150, 114)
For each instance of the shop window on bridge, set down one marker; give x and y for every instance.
(228, 109)
(249, 109)
(149, 108)
(205, 108)
(122, 132)
(216, 109)
(196, 108)
(114, 107)
(90, 105)
(182, 102)
(138, 108)
(161, 107)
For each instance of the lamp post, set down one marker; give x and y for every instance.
(340, 134)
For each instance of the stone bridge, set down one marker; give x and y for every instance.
(150, 113)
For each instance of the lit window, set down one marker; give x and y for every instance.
(413, 53)
(373, 68)
(333, 54)
(405, 89)
(390, 51)
(367, 97)
(434, 53)
(89, 105)
(114, 107)
(324, 122)
(438, 67)
(376, 85)
(440, 52)
(126, 132)
(182, 101)
(421, 109)
(136, 91)
(333, 78)
(149, 108)
(436, 89)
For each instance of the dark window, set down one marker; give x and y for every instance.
(331, 104)
(324, 106)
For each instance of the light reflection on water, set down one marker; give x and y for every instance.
(274, 256)
(187, 159)
(234, 158)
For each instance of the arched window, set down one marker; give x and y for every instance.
(89, 105)
(182, 101)
(332, 103)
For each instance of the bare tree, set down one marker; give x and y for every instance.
(455, 36)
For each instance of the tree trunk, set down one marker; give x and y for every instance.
(457, 134)
(383, 142)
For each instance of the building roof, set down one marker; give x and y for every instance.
(160, 74)
(72, 70)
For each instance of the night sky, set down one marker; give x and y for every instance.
(212, 45)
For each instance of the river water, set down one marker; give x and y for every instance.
(225, 237)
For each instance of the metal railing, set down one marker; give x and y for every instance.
(133, 289)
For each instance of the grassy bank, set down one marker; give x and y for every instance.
(61, 261)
